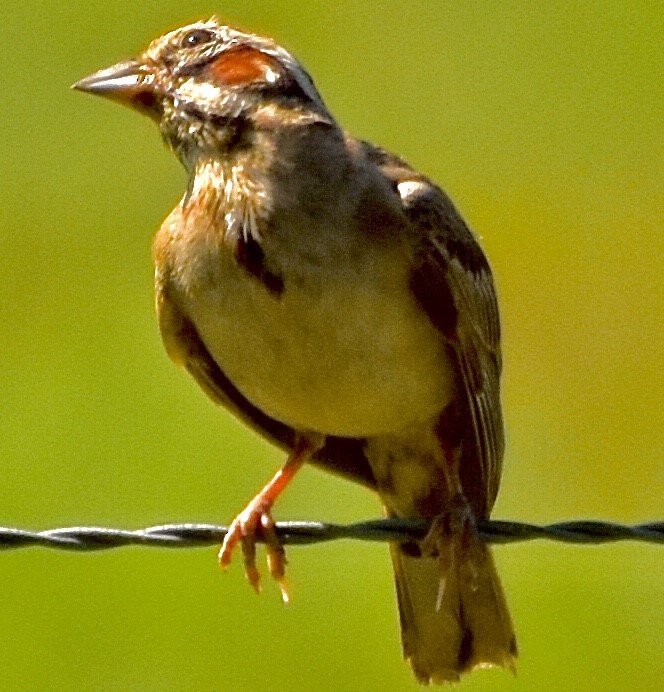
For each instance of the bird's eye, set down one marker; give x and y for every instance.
(196, 37)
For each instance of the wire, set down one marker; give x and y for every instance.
(91, 538)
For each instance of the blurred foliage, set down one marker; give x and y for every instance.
(544, 122)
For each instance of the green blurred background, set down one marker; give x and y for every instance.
(544, 123)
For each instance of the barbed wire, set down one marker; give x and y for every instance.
(92, 538)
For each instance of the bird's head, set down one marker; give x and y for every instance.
(209, 86)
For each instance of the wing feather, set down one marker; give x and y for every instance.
(452, 281)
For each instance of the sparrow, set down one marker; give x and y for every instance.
(332, 298)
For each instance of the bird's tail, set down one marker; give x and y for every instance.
(452, 609)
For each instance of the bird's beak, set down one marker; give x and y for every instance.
(128, 82)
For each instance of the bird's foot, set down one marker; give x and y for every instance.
(255, 522)
(452, 537)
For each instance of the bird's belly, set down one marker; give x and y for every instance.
(338, 357)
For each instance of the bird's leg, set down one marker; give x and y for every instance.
(255, 519)
(453, 533)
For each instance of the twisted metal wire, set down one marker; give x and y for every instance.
(92, 538)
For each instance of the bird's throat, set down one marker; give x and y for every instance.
(228, 199)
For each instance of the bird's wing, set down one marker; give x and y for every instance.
(451, 279)
(183, 344)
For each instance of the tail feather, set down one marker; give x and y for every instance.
(454, 616)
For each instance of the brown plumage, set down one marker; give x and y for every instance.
(334, 300)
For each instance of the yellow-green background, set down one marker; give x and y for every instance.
(544, 122)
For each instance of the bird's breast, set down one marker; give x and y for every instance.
(343, 349)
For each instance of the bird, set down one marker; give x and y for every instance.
(332, 298)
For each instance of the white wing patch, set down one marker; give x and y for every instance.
(411, 187)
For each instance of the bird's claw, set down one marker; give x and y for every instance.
(452, 538)
(255, 522)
